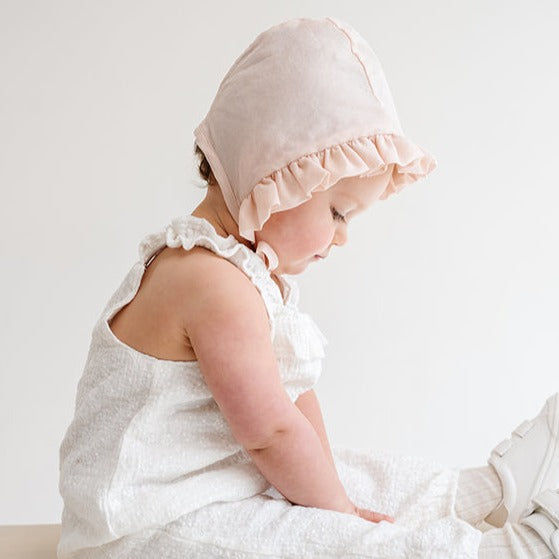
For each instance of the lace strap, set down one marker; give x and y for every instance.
(189, 231)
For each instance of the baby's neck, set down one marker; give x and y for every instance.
(220, 228)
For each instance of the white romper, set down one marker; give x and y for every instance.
(149, 467)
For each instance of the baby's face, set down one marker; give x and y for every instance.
(301, 234)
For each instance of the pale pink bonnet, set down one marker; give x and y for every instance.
(305, 105)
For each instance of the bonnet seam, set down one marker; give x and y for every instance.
(358, 58)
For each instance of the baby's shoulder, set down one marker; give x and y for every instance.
(201, 274)
(213, 294)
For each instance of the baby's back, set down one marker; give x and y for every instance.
(153, 322)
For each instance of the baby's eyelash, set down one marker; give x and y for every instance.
(336, 214)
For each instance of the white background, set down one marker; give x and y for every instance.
(441, 311)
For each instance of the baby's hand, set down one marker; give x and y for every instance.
(371, 515)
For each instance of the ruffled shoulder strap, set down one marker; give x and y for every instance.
(190, 230)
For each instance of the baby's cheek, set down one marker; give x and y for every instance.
(323, 237)
(320, 233)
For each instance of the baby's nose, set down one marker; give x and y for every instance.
(340, 238)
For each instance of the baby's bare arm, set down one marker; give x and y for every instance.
(295, 463)
(308, 403)
(228, 326)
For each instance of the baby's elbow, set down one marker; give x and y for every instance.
(271, 423)
(267, 439)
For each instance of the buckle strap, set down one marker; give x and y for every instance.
(548, 501)
(545, 528)
(504, 446)
(523, 428)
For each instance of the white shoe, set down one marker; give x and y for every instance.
(527, 464)
(545, 519)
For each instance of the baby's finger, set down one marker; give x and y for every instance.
(375, 516)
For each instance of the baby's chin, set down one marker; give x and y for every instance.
(294, 268)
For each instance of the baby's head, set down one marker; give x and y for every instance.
(303, 135)
(306, 232)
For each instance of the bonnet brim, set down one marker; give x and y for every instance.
(363, 156)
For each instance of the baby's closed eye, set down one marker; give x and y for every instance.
(337, 215)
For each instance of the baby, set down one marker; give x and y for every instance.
(197, 431)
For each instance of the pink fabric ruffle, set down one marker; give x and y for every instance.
(364, 156)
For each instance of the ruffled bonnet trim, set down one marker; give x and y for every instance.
(363, 156)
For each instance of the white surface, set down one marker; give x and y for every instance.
(453, 282)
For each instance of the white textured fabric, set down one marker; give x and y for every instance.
(149, 467)
(418, 492)
(478, 494)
